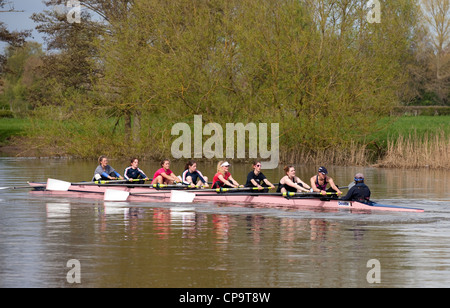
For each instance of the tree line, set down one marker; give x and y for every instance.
(120, 78)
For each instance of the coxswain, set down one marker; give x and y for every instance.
(359, 191)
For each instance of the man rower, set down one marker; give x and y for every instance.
(320, 182)
(359, 191)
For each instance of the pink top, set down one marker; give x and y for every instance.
(162, 170)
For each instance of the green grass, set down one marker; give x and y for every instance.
(10, 127)
(410, 125)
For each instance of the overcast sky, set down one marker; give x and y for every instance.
(21, 20)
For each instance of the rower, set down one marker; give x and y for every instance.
(256, 178)
(291, 183)
(192, 176)
(164, 175)
(320, 182)
(105, 171)
(359, 191)
(134, 173)
(223, 178)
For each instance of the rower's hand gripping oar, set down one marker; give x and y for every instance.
(294, 194)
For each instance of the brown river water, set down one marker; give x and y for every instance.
(164, 245)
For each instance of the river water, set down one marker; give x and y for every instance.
(211, 246)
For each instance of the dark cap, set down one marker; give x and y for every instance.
(323, 170)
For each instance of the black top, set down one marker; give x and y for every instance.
(359, 192)
(258, 179)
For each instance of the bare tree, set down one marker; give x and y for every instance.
(437, 17)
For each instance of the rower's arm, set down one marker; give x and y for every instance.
(306, 186)
(313, 184)
(339, 192)
(268, 183)
(233, 180)
(226, 182)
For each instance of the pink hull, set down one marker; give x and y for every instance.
(94, 191)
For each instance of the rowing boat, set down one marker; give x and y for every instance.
(149, 194)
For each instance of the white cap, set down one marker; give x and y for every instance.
(225, 164)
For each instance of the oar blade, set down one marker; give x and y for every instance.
(179, 196)
(57, 185)
(115, 195)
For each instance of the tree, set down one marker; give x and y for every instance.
(21, 76)
(15, 38)
(437, 17)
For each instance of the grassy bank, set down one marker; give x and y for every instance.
(414, 142)
(405, 142)
(10, 127)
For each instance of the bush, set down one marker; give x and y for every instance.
(6, 114)
(421, 111)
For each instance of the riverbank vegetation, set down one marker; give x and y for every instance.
(402, 142)
(116, 82)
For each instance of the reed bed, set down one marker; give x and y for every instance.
(414, 151)
(352, 155)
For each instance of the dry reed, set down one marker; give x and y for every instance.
(354, 154)
(429, 151)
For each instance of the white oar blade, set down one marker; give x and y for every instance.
(57, 185)
(181, 196)
(116, 195)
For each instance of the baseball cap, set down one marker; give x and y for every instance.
(323, 170)
(225, 164)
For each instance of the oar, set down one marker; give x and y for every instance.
(225, 190)
(58, 185)
(318, 194)
(20, 187)
(188, 197)
(115, 181)
(120, 195)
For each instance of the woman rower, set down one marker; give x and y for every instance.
(320, 182)
(256, 178)
(164, 175)
(192, 176)
(291, 183)
(105, 171)
(223, 178)
(134, 173)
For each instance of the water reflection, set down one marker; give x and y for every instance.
(209, 245)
